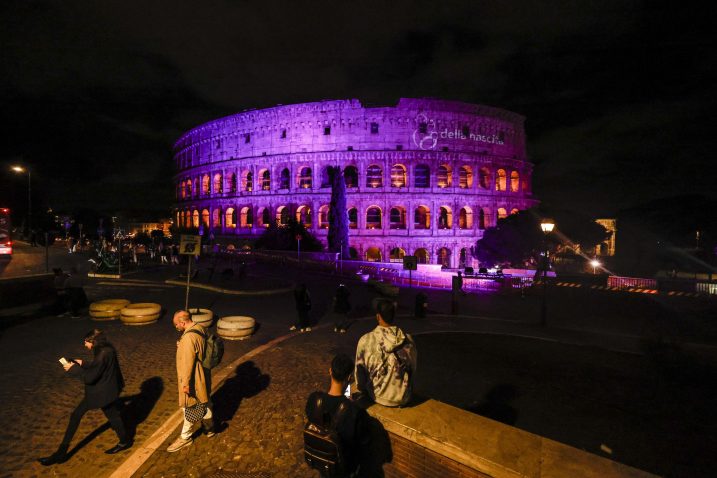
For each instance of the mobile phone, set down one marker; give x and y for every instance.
(347, 393)
(63, 361)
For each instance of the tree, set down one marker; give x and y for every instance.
(283, 238)
(338, 237)
(518, 237)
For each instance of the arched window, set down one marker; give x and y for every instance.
(230, 217)
(351, 177)
(514, 182)
(187, 219)
(421, 255)
(196, 187)
(324, 217)
(373, 218)
(205, 217)
(398, 176)
(502, 213)
(265, 180)
(422, 218)
(189, 188)
(373, 254)
(445, 218)
(232, 183)
(500, 180)
(246, 217)
(216, 217)
(284, 179)
(374, 176)
(247, 181)
(217, 186)
(484, 178)
(444, 176)
(195, 218)
(303, 215)
(422, 176)
(264, 217)
(325, 178)
(514, 211)
(205, 185)
(397, 218)
(465, 177)
(282, 215)
(353, 218)
(305, 181)
(481, 219)
(444, 257)
(465, 218)
(396, 254)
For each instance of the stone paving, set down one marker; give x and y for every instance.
(261, 405)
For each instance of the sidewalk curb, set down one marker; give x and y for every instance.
(230, 291)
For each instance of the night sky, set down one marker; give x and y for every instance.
(619, 95)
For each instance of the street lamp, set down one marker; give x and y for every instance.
(547, 227)
(20, 169)
(595, 263)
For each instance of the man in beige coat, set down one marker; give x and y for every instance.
(193, 381)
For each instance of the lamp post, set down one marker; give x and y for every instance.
(547, 227)
(21, 169)
(595, 263)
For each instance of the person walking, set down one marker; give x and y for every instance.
(193, 381)
(103, 384)
(342, 306)
(303, 306)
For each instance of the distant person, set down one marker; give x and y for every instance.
(341, 309)
(303, 306)
(332, 410)
(386, 360)
(103, 384)
(193, 381)
(59, 283)
(75, 292)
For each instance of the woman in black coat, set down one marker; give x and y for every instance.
(103, 383)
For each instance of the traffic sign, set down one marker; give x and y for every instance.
(410, 263)
(190, 245)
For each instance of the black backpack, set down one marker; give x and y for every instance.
(213, 349)
(322, 444)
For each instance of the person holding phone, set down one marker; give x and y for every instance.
(103, 382)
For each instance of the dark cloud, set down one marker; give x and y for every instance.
(617, 94)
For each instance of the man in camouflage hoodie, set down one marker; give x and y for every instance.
(385, 360)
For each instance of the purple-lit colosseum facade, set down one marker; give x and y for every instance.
(424, 177)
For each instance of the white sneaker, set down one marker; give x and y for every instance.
(336, 329)
(293, 327)
(308, 329)
(178, 444)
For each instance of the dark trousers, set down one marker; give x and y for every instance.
(303, 321)
(111, 411)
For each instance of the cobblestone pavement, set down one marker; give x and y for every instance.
(261, 405)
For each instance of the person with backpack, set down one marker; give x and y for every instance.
(193, 380)
(386, 360)
(336, 431)
(341, 309)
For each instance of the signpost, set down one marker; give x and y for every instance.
(410, 263)
(189, 245)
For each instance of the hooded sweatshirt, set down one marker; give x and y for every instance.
(385, 364)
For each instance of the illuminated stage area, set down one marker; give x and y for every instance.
(424, 177)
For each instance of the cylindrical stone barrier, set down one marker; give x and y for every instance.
(142, 313)
(202, 316)
(235, 327)
(108, 309)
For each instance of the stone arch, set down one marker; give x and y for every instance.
(397, 217)
(374, 176)
(351, 177)
(484, 178)
(482, 224)
(500, 180)
(352, 213)
(445, 217)
(373, 254)
(265, 178)
(303, 215)
(465, 177)
(422, 176)
(232, 183)
(443, 178)
(205, 217)
(325, 177)
(195, 218)
(246, 217)
(282, 215)
(205, 185)
(305, 179)
(324, 216)
(422, 218)
(514, 182)
(398, 176)
(396, 254)
(247, 181)
(515, 210)
(230, 217)
(217, 183)
(421, 255)
(373, 217)
(502, 213)
(443, 257)
(285, 179)
(465, 218)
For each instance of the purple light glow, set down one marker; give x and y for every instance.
(426, 176)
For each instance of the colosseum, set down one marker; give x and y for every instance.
(424, 177)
